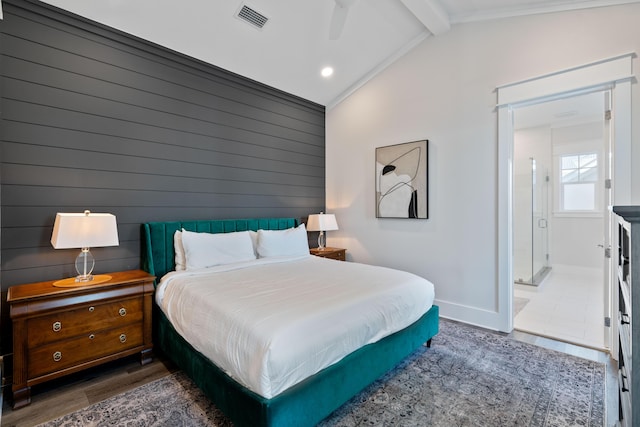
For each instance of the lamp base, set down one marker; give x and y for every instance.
(321, 240)
(71, 282)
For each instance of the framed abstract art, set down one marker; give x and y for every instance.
(402, 180)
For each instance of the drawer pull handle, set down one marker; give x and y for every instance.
(123, 338)
(57, 356)
(624, 319)
(92, 336)
(122, 311)
(56, 326)
(91, 309)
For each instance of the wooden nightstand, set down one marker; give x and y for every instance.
(333, 253)
(58, 331)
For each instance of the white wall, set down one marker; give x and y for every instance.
(575, 239)
(444, 91)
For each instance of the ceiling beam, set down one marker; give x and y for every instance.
(431, 14)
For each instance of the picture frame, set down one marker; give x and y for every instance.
(402, 172)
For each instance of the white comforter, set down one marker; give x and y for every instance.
(271, 323)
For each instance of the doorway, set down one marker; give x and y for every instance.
(558, 211)
(614, 74)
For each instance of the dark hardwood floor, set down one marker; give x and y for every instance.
(68, 394)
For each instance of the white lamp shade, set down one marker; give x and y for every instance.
(84, 230)
(322, 222)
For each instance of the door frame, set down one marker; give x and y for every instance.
(614, 74)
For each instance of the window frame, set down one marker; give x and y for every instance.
(559, 210)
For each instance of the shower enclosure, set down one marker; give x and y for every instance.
(530, 222)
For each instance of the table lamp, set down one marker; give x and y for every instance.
(322, 222)
(84, 230)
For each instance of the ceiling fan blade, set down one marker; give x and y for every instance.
(339, 17)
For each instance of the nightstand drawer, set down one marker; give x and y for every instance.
(82, 320)
(339, 255)
(331, 253)
(61, 355)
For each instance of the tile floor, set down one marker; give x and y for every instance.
(567, 306)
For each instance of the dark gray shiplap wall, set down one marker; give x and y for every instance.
(96, 119)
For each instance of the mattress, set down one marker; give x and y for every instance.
(272, 322)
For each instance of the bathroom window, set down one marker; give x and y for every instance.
(578, 182)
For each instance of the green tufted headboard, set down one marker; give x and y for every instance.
(158, 255)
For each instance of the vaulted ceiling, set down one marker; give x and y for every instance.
(357, 38)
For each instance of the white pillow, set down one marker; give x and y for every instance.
(289, 242)
(206, 250)
(178, 248)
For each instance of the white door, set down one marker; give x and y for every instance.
(608, 231)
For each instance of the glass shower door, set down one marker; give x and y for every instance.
(540, 230)
(531, 237)
(522, 221)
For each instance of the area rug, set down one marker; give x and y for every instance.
(469, 377)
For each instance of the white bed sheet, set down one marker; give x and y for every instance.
(271, 323)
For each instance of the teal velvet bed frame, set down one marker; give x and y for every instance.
(304, 404)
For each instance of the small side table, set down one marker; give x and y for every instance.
(332, 253)
(61, 330)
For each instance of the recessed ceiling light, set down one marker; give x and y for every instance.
(327, 71)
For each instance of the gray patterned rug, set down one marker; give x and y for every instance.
(469, 377)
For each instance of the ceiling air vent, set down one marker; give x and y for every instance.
(252, 16)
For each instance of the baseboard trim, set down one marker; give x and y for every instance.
(487, 319)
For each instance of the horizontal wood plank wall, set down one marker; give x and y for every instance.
(96, 119)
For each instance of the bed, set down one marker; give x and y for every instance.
(308, 400)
